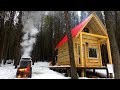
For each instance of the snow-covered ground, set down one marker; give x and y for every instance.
(40, 70)
(7, 71)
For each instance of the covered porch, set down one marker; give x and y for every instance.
(91, 54)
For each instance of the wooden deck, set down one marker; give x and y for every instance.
(67, 67)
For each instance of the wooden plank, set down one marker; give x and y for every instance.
(94, 26)
(93, 61)
(90, 41)
(94, 35)
(100, 55)
(101, 24)
(63, 48)
(76, 54)
(59, 66)
(90, 38)
(102, 41)
(64, 59)
(89, 18)
(83, 73)
(81, 52)
(85, 55)
(63, 54)
(64, 63)
(89, 27)
(95, 17)
(109, 52)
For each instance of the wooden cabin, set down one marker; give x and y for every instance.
(90, 42)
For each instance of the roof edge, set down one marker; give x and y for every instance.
(89, 18)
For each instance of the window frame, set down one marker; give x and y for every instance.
(96, 53)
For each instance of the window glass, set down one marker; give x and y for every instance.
(93, 52)
(86, 30)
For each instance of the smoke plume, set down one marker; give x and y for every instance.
(29, 38)
(31, 21)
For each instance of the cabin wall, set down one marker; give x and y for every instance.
(88, 42)
(76, 55)
(93, 42)
(92, 62)
(95, 28)
(63, 55)
(76, 58)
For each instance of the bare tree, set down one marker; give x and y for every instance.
(117, 31)
(110, 20)
(1, 34)
(18, 40)
(8, 34)
(70, 45)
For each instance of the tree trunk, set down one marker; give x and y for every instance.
(70, 45)
(1, 34)
(117, 32)
(111, 27)
(1, 44)
(18, 40)
(6, 46)
(8, 32)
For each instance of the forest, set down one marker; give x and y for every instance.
(44, 30)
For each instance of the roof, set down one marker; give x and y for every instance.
(74, 32)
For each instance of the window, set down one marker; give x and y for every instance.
(92, 52)
(24, 64)
(86, 30)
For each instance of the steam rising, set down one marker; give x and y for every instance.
(29, 38)
(32, 22)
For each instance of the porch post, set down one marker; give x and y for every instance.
(81, 51)
(81, 56)
(109, 51)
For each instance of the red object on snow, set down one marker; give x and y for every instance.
(28, 68)
(74, 32)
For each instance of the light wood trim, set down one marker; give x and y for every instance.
(82, 72)
(100, 56)
(85, 56)
(102, 41)
(109, 52)
(94, 35)
(84, 25)
(81, 53)
(93, 15)
(77, 54)
(100, 23)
